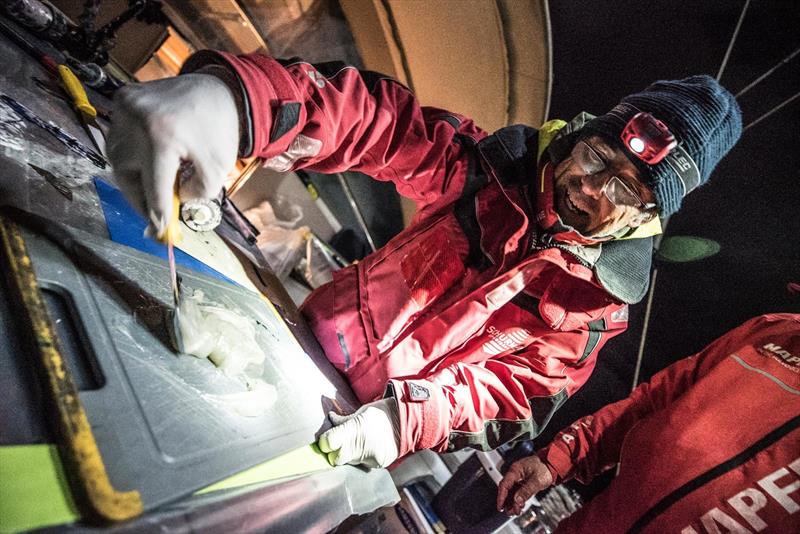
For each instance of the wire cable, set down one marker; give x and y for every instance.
(733, 40)
(770, 112)
(758, 80)
(643, 339)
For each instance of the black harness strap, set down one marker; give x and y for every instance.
(464, 208)
(499, 431)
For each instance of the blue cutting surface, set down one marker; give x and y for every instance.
(126, 226)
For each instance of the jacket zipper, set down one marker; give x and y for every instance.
(550, 244)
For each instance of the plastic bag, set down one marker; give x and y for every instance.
(281, 244)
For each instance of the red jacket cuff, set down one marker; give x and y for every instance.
(423, 412)
(267, 86)
(558, 461)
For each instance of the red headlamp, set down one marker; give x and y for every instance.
(648, 138)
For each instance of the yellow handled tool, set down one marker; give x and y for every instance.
(172, 233)
(86, 111)
(75, 89)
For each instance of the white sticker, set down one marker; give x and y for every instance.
(621, 315)
(317, 78)
(302, 147)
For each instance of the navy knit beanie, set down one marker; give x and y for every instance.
(703, 116)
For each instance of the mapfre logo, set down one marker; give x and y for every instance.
(781, 354)
(511, 339)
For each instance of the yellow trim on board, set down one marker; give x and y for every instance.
(34, 492)
(293, 463)
(79, 443)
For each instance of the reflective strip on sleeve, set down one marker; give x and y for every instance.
(499, 431)
(595, 329)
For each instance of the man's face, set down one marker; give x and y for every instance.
(581, 200)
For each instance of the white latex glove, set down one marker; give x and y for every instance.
(155, 125)
(370, 437)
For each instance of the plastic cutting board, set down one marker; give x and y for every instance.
(160, 421)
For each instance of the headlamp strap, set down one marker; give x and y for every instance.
(685, 167)
(676, 156)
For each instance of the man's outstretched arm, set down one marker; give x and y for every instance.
(328, 118)
(593, 444)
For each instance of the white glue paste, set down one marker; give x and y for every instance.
(228, 339)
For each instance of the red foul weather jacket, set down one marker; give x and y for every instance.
(476, 321)
(711, 444)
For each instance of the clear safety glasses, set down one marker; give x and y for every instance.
(615, 189)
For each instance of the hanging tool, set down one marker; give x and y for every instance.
(71, 143)
(60, 185)
(85, 41)
(88, 43)
(170, 236)
(86, 112)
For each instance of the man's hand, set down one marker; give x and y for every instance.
(524, 479)
(192, 117)
(369, 437)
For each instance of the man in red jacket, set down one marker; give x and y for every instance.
(474, 324)
(711, 442)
